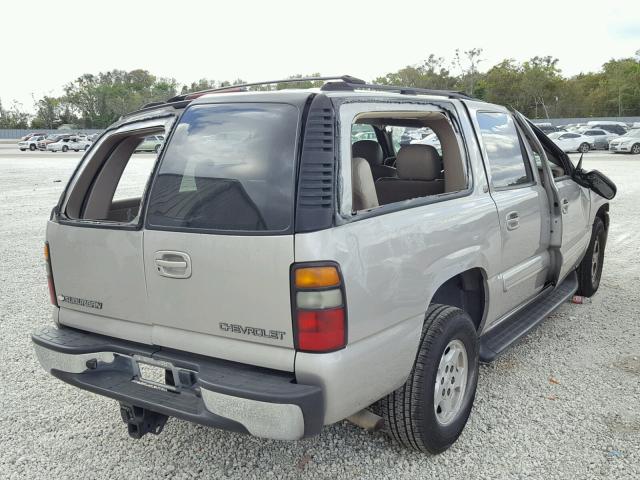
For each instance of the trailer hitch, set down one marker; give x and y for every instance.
(141, 421)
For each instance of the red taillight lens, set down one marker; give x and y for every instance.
(319, 308)
(50, 284)
(321, 330)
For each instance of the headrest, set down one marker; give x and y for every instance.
(418, 162)
(370, 150)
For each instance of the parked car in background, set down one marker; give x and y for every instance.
(571, 141)
(550, 128)
(30, 144)
(69, 143)
(627, 143)
(28, 136)
(54, 137)
(599, 139)
(152, 143)
(612, 128)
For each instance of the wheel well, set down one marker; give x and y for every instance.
(465, 291)
(603, 214)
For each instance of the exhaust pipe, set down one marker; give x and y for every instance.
(367, 419)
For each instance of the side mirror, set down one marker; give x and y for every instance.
(596, 181)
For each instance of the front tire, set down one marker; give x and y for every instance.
(584, 147)
(635, 149)
(590, 268)
(32, 148)
(429, 412)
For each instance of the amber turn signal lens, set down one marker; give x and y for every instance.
(46, 252)
(317, 277)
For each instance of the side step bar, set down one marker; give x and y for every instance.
(496, 340)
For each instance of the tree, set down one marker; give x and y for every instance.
(47, 113)
(431, 73)
(15, 117)
(468, 66)
(103, 98)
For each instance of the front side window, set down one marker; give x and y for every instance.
(504, 150)
(228, 167)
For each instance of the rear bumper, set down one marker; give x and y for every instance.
(213, 392)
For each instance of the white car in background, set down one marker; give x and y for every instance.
(571, 141)
(31, 143)
(430, 139)
(598, 138)
(627, 143)
(71, 143)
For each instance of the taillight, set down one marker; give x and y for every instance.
(319, 307)
(50, 284)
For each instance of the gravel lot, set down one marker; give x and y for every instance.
(563, 403)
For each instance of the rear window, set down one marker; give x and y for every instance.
(228, 167)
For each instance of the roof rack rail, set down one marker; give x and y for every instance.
(348, 79)
(346, 85)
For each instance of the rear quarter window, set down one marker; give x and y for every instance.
(228, 168)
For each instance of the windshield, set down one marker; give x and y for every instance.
(635, 133)
(228, 167)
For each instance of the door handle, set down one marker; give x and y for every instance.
(565, 206)
(513, 220)
(173, 264)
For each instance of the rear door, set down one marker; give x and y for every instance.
(96, 248)
(218, 244)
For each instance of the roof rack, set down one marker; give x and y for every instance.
(347, 79)
(346, 85)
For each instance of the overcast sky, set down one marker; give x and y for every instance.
(47, 44)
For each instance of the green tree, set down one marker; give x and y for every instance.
(431, 73)
(14, 117)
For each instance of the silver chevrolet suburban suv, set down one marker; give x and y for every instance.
(270, 272)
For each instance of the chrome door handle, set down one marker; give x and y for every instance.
(565, 206)
(173, 264)
(513, 220)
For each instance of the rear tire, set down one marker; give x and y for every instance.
(448, 345)
(22, 149)
(584, 147)
(156, 149)
(65, 148)
(590, 268)
(32, 148)
(635, 149)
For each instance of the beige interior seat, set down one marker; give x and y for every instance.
(362, 185)
(419, 174)
(372, 152)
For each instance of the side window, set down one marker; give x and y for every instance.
(504, 150)
(425, 164)
(111, 185)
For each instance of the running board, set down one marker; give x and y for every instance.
(496, 340)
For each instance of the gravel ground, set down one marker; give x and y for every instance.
(563, 403)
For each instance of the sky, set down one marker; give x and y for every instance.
(45, 45)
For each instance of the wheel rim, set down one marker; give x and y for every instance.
(584, 148)
(451, 382)
(635, 148)
(595, 262)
